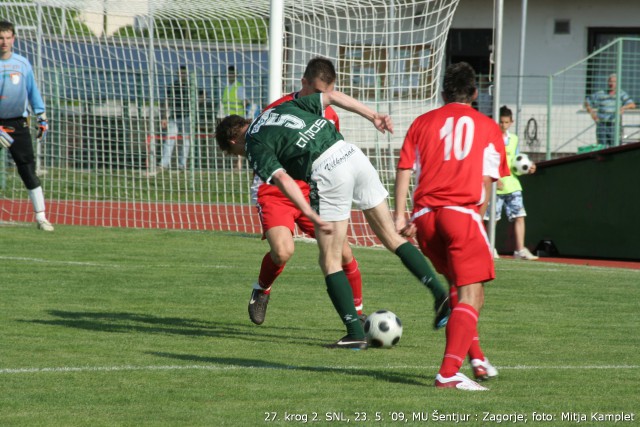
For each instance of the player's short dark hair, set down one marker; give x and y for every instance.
(230, 128)
(320, 68)
(505, 112)
(231, 69)
(7, 26)
(459, 83)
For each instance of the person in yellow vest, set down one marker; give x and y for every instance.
(509, 190)
(234, 99)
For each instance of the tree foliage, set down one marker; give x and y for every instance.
(254, 31)
(58, 21)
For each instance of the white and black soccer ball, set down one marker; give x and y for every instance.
(522, 164)
(383, 329)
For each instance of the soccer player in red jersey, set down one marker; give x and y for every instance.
(278, 214)
(293, 141)
(454, 150)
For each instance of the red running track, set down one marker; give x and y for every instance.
(179, 216)
(184, 216)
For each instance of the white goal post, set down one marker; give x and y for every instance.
(105, 67)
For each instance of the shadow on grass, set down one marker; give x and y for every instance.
(381, 374)
(124, 322)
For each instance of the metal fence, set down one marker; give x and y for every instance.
(553, 121)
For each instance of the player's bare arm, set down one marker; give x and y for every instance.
(403, 179)
(488, 189)
(382, 122)
(289, 188)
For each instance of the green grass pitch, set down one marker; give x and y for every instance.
(103, 327)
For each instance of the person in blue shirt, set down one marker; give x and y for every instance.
(18, 91)
(602, 108)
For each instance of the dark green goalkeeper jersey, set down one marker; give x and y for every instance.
(290, 136)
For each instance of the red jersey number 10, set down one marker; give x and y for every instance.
(458, 138)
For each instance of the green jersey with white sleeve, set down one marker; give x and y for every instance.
(290, 136)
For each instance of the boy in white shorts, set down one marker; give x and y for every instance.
(294, 141)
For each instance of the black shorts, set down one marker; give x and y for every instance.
(22, 147)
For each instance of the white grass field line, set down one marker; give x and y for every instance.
(538, 266)
(100, 264)
(125, 368)
(552, 267)
(133, 266)
(49, 261)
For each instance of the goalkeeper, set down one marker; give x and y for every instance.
(17, 90)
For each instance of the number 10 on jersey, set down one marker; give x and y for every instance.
(458, 138)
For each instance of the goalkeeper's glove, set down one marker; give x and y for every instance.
(5, 138)
(43, 126)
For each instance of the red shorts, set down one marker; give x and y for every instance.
(275, 209)
(455, 241)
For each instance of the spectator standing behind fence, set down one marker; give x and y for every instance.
(602, 108)
(234, 100)
(205, 109)
(17, 90)
(176, 119)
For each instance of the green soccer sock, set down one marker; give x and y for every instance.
(417, 264)
(342, 298)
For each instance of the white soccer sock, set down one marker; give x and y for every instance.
(37, 199)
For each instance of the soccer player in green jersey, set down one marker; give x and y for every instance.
(294, 141)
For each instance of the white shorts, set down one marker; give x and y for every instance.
(343, 175)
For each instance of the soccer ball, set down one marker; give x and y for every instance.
(383, 329)
(522, 164)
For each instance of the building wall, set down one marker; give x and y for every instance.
(546, 53)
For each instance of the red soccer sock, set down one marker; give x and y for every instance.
(269, 272)
(475, 351)
(355, 281)
(460, 331)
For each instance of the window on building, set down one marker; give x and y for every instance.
(562, 26)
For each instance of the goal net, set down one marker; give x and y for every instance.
(107, 70)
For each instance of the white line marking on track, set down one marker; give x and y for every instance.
(72, 369)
